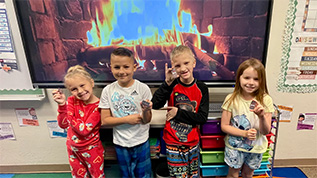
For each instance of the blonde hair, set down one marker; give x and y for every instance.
(180, 50)
(258, 66)
(77, 70)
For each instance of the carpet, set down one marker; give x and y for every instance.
(289, 172)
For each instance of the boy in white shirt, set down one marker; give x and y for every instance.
(125, 105)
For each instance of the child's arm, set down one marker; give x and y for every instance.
(163, 93)
(60, 99)
(62, 119)
(170, 75)
(227, 128)
(108, 120)
(189, 117)
(265, 119)
(146, 106)
(192, 118)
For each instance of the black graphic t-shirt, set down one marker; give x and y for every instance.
(193, 104)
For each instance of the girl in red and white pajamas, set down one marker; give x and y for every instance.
(81, 116)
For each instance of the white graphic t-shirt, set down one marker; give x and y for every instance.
(122, 102)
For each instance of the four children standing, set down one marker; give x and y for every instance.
(126, 106)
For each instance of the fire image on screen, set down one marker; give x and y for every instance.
(58, 34)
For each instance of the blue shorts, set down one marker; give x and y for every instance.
(235, 159)
(135, 161)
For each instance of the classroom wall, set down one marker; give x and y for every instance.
(291, 144)
(34, 146)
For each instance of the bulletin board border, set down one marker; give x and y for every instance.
(20, 95)
(286, 48)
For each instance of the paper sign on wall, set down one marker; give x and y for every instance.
(6, 131)
(27, 116)
(306, 121)
(55, 130)
(285, 113)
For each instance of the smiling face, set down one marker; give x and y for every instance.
(123, 68)
(249, 81)
(184, 63)
(81, 87)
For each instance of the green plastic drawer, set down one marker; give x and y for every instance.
(212, 157)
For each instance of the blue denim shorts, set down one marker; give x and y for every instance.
(235, 159)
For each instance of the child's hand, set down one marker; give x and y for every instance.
(134, 119)
(171, 112)
(146, 105)
(59, 96)
(257, 108)
(170, 75)
(251, 134)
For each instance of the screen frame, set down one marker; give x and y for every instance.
(60, 84)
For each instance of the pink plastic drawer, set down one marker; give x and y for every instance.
(212, 126)
(212, 141)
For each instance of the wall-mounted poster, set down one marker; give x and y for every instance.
(7, 55)
(299, 59)
(27, 116)
(6, 131)
(55, 130)
(306, 121)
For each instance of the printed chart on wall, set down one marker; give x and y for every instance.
(8, 59)
(299, 60)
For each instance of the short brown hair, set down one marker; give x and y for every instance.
(121, 51)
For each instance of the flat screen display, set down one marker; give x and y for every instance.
(58, 34)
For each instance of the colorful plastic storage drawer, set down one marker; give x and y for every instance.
(268, 136)
(270, 142)
(214, 170)
(212, 141)
(212, 126)
(212, 157)
(260, 171)
(265, 158)
(222, 170)
(264, 165)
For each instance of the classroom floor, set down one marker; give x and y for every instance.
(111, 172)
(310, 172)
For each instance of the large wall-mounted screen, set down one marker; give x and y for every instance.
(58, 34)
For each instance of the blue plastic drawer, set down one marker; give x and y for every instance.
(222, 170)
(264, 165)
(260, 171)
(214, 170)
